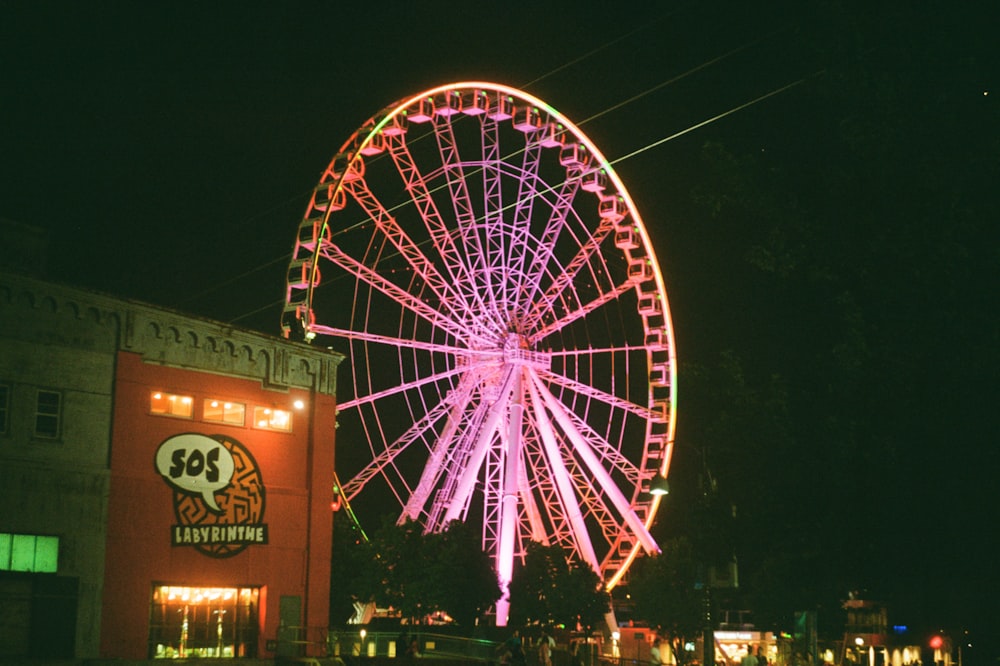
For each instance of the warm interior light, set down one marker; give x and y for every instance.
(272, 419)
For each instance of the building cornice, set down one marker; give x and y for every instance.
(36, 311)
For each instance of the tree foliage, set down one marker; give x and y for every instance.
(350, 570)
(418, 574)
(467, 585)
(665, 589)
(548, 588)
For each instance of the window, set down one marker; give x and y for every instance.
(272, 419)
(47, 414)
(171, 404)
(4, 407)
(224, 411)
(28, 552)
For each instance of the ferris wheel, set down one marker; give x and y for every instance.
(505, 324)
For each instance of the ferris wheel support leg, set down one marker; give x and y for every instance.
(508, 518)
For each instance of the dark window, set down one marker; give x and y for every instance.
(47, 414)
(4, 407)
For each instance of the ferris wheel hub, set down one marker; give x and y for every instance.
(517, 352)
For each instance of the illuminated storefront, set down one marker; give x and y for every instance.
(203, 622)
(731, 646)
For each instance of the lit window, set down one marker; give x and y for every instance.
(272, 419)
(48, 410)
(224, 411)
(171, 404)
(4, 407)
(28, 552)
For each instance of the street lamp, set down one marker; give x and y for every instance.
(659, 486)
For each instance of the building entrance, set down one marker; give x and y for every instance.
(190, 622)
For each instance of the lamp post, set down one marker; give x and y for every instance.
(708, 634)
(706, 553)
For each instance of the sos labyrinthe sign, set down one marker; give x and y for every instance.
(219, 493)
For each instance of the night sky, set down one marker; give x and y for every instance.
(838, 237)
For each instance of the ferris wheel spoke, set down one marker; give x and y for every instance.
(592, 351)
(612, 458)
(547, 239)
(396, 390)
(560, 527)
(593, 392)
(564, 281)
(593, 465)
(492, 173)
(582, 311)
(441, 287)
(444, 448)
(404, 298)
(378, 464)
(471, 263)
(420, 195)
(483, 437)
(563, 483)
(532, 513)
(517, 249)
(391, 341)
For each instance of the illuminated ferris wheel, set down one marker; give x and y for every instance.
(505, 323)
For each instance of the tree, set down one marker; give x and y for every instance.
(579, 598)
(399, 555)
(665, 589)
(466, 584)
(549, 588)
(349, 568)
(420, 573)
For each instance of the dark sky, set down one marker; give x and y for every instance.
(169, 149)
(138, 135)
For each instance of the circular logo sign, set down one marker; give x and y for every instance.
(219, 493)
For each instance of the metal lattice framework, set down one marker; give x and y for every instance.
(505, 318)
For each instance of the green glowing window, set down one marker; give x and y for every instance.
(29, 552)
(224, 411)
(48, 410)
